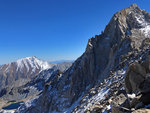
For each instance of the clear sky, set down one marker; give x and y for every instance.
(54, 29)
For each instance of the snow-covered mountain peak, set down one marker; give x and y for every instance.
(33, 63)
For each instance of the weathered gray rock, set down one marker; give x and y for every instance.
(137, 81)
(120, 104)
(134, 77)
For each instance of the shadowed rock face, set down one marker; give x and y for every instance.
(125, 38)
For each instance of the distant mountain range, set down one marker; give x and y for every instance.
(62, 61)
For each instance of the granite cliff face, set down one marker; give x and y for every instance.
(99, 72)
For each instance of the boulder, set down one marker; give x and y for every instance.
(120, 104)
(141, 111)
(137, 81)
(134, 77)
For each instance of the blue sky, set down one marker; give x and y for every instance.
(54, 29)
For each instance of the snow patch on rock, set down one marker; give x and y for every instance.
(144, 24)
